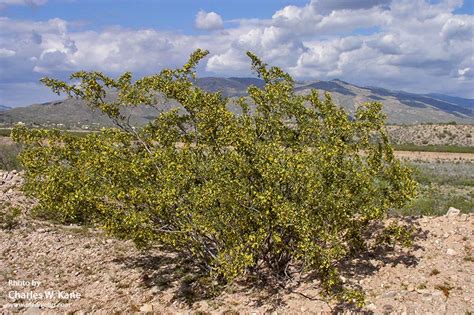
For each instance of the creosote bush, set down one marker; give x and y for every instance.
(288, 184)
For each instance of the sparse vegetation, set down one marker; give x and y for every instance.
(5, 132)
(445, 288)
(9, 216)
(421, 286)
(9, 156)
(443, 185)
(433, 148)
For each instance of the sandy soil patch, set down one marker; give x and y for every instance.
(435, 156)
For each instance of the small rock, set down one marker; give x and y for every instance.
(427, 298)
(371, 307)
(390, 294)
(374, 263)
(110, 241)
(41, 230)
(388, 308)
(410, 288)
(451, 252)
(423, 291)
(32, 310)
(453, 212)
(146, 308)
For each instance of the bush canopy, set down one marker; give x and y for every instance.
(289, 183)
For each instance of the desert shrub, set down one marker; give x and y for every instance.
(5, 132)
(9, 157)
(291, 181)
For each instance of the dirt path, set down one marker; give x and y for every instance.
(105, 275)
(435, 156)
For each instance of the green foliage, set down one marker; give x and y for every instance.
(9, 216)
(442, 185)
(5, 132)
(436, 200)
(396, 234)
(293, 183)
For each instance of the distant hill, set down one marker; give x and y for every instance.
(400, 107)
(464, 102)
(228, 86)
(3, 107)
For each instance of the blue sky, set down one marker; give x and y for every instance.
(415, 45)
(171, 15)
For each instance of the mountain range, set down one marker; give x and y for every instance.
(400, 107)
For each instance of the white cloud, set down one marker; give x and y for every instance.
(410, 44)
(458, 29)
(466, 73)
(327, 6)
(387, 44)
(4, 3)
(232, 61)
(208, 21)
(6, 52)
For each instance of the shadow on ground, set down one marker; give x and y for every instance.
(168, 270)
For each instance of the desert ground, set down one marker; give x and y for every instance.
(435, 156)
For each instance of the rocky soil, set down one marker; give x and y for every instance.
(435, 134)
(97, 274)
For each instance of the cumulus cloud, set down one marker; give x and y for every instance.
(231, 61)
(6, 52)
(458, 28)
(208, 21)
(327, 6)
(414, 45)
